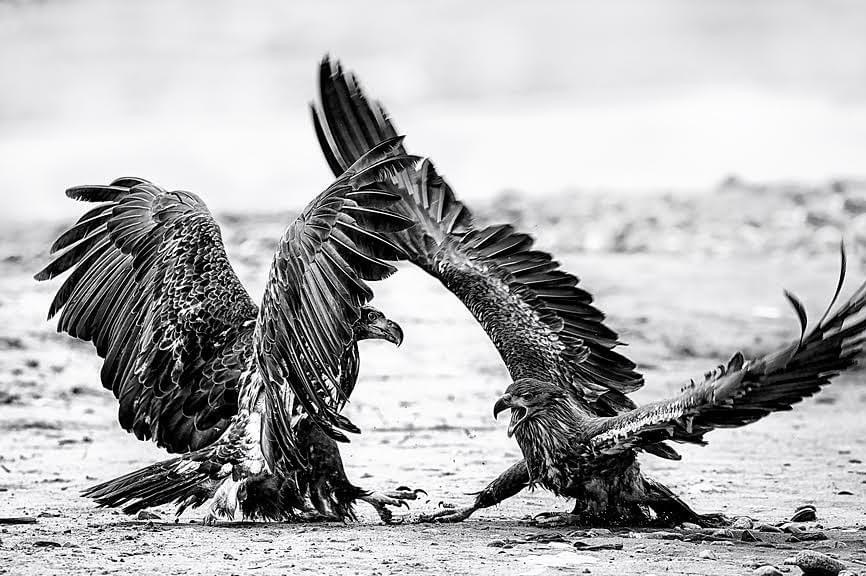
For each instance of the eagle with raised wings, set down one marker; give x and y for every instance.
(577, 428)
(200, 369)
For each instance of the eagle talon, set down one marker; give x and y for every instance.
(380, 502)
(555, 519)
(405, 493)
(448, 515)
(209, 520)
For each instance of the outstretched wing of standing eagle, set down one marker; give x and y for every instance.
(152, 288)
(542, 323)
(185, 348)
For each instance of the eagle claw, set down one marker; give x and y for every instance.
(556, 519)
(405, 493)
(449, 515)
(380, 503)
(209, 520)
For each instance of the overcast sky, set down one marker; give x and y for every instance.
(540, 97)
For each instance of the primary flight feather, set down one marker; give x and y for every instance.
(199, 368)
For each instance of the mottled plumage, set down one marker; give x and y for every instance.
(575, 453)
(541, 321)
(195, 365)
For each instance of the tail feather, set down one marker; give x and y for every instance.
(670, 509)
(188, 480)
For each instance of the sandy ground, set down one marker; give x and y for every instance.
(685, 289)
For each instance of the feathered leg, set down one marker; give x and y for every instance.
(506, 485)
(330, 491)
(224, 503)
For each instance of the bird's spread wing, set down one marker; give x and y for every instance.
(743, 391)
(152, 288)
(317, 285)
(542, 323)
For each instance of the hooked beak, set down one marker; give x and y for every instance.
(519, 412)
(394, 333)
(503, 403)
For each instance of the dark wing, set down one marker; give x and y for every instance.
(152, 288)
(543, 325)
(741, 391)
(317, 286)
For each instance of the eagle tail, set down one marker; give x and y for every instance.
(188, 480)
(669, 508)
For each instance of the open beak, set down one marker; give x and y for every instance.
(519, 412)
(393, 333)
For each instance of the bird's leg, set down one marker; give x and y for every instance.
(614, 497)
(596, 513)
(248, 451)
(506, 485)
(253, 460)
(224, 504)
(381, 502)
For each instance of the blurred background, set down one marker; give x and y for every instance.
(541, 98)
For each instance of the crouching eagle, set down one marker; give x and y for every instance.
(542, 323)
(571, 414)
(577, 454)
(200, 369)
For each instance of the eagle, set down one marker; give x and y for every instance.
(593, 459)
(201, 370)
(571, 414)
(542, 323)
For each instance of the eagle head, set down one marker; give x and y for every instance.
(372, 324)
(527, 398)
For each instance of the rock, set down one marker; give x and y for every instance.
(147, 515)
(707, 555)
(847, 573)
(747, 536)
(791, 529)
(689, 526)
(767, 571)
(814, 563)
(662, 535)
(584, 547)
(743, 523)
(804, 514)
(768, 528)
(17, 520)
(855, 205)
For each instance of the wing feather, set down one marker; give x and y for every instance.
(151, 286)
(317, 285)
(543, 325)
(741, 392)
